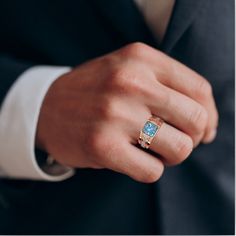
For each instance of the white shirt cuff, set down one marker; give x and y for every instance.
(18, 122)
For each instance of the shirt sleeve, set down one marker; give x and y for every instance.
(18, 122)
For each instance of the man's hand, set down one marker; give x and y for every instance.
(92, 116)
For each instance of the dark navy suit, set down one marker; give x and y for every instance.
(196, 197)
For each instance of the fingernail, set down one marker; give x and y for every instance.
(209, 138)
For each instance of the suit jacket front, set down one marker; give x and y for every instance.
(196, 197)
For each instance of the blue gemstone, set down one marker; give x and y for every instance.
(150, 128)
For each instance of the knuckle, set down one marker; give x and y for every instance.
(204, 89)
(106, 109)
(184, 146)
(198, 120)
(151, 175)
(134, 50)
(123, 80)
(118, 78)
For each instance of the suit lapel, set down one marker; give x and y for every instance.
(124, 17)
(184, 13)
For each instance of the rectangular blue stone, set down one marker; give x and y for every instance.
(150, 128)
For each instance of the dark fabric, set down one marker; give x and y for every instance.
(196, 197)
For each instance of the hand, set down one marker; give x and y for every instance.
(92, 116)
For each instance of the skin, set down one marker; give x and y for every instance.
(91, 117)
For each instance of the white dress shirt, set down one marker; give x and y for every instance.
(21, 107)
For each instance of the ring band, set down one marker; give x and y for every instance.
(149, 131)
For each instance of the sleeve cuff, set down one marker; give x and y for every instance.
(18, 122)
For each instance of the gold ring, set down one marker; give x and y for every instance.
(149, 131)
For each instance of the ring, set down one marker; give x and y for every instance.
(149, 131)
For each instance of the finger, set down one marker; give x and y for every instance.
(131, 161)
(173, 145)
(186, 81)
(180, 78)
(170, 143)
(178, 110)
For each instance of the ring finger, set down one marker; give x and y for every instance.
(171, 144)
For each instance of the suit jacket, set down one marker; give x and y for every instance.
(196, 197)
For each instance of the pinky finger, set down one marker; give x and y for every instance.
(137, 164)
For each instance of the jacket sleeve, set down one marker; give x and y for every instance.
(10, 69)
